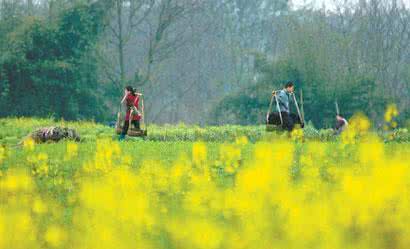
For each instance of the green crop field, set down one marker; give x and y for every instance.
(212, 187)
(13, 130)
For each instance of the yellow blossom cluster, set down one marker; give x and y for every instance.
(72, 151)
(106, 154)
(2, 154)
(24, 213)
(28, 144)
(297, 134)
(359, 125)
(390, 117)
(39, 164)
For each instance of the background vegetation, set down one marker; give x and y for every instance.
(202, 62)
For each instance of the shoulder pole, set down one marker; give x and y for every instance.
(337, 108)
(270, 109)
(142, 113)
(302, 109)
(277, 106)
(297, 108)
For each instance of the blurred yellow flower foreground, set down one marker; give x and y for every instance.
(287, 194)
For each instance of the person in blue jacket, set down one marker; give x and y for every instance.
(284, 97)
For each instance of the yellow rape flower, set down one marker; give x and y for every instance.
(297, 134)
(72, 151)
(2, 154)
(199, 153)
(54, 236)
(242, 141)
(359, 123)
(230, 169)
(29, 144)
(39, 207)
(42, 157)
(391, 112)
(16, 180)
(389, 117)
(39, 166)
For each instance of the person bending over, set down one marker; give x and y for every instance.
(341, 125)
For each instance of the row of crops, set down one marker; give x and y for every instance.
(12, 130)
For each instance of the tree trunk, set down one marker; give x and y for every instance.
(120, 41)
(30, 7)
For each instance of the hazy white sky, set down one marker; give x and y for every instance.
(315, 3)
(329, 3)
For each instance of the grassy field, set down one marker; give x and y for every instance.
(214, 187)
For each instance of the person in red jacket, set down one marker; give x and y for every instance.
(131, 101)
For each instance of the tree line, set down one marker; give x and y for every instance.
(206, 62)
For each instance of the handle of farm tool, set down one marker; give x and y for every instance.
(270, 108)
(142, 112)
(337, 108)
(297, 108)
(302, 109)
(280, 114)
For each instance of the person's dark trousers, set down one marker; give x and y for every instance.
(296, 120)
(135, 123)
(288, 121)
